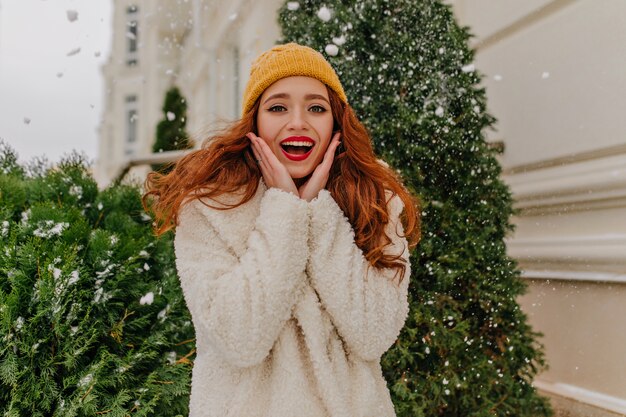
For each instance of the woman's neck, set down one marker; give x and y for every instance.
(300, 181)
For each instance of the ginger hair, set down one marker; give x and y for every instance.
(225, 164)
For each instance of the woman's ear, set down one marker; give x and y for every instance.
(340, 149)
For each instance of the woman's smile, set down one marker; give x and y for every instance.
(297, 148)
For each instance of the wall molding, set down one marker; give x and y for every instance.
(583, 395)
(608, 250)
(567, 159)
(521, 24)
(584, 181)
(589, 276)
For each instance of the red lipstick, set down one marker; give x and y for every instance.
(297, 157)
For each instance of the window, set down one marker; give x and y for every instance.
(131, 125)
(132, 33)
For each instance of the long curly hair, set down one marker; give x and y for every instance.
(357, 181)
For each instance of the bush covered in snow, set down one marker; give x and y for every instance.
(92, 318)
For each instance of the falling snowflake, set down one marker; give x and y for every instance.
(171, 116)
(72, 15)
(73, 52)
(293, 5)
(331, 49)
(324, 13)
(340, 40)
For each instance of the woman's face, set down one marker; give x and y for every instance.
(296, 121)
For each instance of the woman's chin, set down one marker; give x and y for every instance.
(299, 174)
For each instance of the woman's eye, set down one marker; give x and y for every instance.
(317, 109)
(277, 108)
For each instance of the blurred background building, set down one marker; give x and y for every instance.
(157, 44)
(555, 76)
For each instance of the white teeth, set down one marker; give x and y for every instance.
(297, 143)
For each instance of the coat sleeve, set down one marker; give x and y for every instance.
(366, 307)
(242, 303)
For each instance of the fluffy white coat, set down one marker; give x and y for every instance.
(289, 319)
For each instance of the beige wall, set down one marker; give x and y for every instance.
(555, 75)
(579, 46)
(590, 358)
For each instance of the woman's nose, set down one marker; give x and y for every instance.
(297, 120)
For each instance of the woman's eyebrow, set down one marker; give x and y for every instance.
(277, 95)
(316, 97)
(307, 97)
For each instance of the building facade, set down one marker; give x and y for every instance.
(555, 82)
(205, 47)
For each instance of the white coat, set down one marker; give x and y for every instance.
(289, 320)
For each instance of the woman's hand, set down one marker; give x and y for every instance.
(274, 173)
(310, 189)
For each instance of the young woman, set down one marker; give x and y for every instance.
(291, 251)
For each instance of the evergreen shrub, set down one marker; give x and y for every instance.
(170, 131)
(467, 348)
(92, 318)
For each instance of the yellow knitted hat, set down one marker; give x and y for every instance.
(285, 61)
